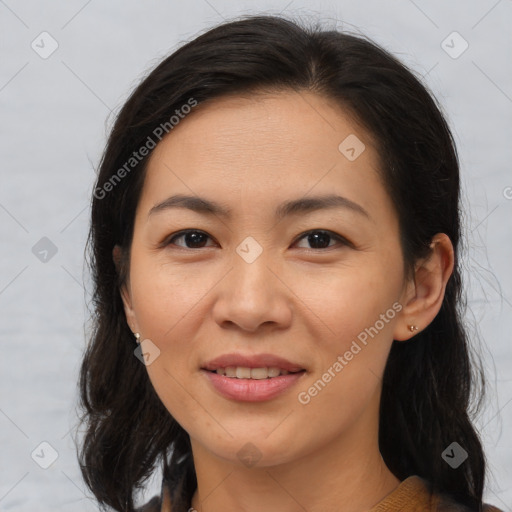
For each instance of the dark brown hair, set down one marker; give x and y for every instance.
(428, 382)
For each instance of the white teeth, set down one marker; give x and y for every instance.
(230, 371)
(259, 373)
(243, 372)
(274, 372)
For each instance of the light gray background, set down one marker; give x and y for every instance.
(52, 130)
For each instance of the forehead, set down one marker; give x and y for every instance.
(261, 146)
(264, 125)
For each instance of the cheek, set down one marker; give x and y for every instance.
(349, 301)
(347, 377)
(165, 296)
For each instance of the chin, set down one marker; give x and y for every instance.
(254, 450)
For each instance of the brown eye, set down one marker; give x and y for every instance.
(320, 239)
(192, 239)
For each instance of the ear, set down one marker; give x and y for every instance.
(117, 256)
(424, 293)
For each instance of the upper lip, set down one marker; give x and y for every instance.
(252, 361)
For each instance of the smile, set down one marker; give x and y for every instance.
(243, 372)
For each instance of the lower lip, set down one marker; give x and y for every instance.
(252, 390)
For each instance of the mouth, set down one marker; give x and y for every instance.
(253, 378)
(254, 366)
(244, 372)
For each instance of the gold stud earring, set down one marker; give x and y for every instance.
(137, 337)
(412, 328)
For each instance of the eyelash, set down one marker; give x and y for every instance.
(333, 235)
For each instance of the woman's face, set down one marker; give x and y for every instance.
(248, 285)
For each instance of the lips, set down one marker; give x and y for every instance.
(252, 378)
(257, 361)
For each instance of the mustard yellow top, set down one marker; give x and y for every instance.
(412, 495)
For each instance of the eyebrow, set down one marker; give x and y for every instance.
(292, 207)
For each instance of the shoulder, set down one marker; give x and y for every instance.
(416, 494)
(410, 492)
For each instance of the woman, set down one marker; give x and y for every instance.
(275, 249)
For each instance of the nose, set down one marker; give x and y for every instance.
(253, 297)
